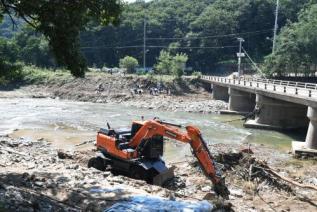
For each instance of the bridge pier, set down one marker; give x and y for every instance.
(309, 147)
(220, 93)
(241, 102)
(276, 114)
(311, 137)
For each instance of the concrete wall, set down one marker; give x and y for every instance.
(280, 114)
(220, 93)
(240, 101)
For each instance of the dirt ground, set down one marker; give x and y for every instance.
(35, 176)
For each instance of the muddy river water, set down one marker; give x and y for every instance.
(67, 123)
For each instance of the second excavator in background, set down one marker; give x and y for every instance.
(137, 152)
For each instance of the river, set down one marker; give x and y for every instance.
(67, 123)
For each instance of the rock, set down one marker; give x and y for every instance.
(39, 183)
(76, 166)
(236, 192)
(206, 189)
(63, 155)
(62, 180)
(312, 181)
(210, 196)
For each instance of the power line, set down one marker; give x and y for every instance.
(184, 38)
(118, 43)
(130, 47)
(194, 47)
(110, 47)
(213, 36)
(253, 63)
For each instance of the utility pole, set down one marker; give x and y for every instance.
(275, 25)
(144, 43)
(240, 55)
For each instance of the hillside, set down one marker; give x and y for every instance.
(206, 30)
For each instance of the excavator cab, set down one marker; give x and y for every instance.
(151, 148)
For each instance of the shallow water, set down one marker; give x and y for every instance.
(67, 123)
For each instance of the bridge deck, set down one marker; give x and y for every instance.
(296, 92)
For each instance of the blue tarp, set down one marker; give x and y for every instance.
(150, 204)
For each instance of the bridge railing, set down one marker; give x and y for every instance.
(289, 87)
(286, 83)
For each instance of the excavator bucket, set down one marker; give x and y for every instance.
(162, 177)
(221, 189)
(157, 172)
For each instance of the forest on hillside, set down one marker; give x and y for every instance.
(206, 31)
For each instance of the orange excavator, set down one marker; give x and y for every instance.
(137, 152)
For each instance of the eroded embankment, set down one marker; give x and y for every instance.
(36, 176)
(187, 94)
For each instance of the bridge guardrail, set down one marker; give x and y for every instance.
(288, 87)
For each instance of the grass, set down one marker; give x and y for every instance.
(33, 74)
(36, 75)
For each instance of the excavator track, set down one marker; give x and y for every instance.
(152, 171)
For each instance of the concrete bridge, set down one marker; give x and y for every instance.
(278, 105)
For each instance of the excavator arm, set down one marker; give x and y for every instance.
(194, 138)
(206, 161)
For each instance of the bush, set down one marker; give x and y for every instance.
(197, 74)
(10, 72)
(129, 63)
(36, 75)
(150, 76)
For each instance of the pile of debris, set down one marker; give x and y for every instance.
(247, 167)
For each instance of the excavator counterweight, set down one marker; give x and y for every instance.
(137, 152)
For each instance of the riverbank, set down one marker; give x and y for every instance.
(186, 94)
(36, 176)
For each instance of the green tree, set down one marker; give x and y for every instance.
(296, 45)
(169, 64)
(129, 63)
(10, 70)
(61, 22)
(33, 48)
(179, 64)
(190, 26)
(164, 63)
